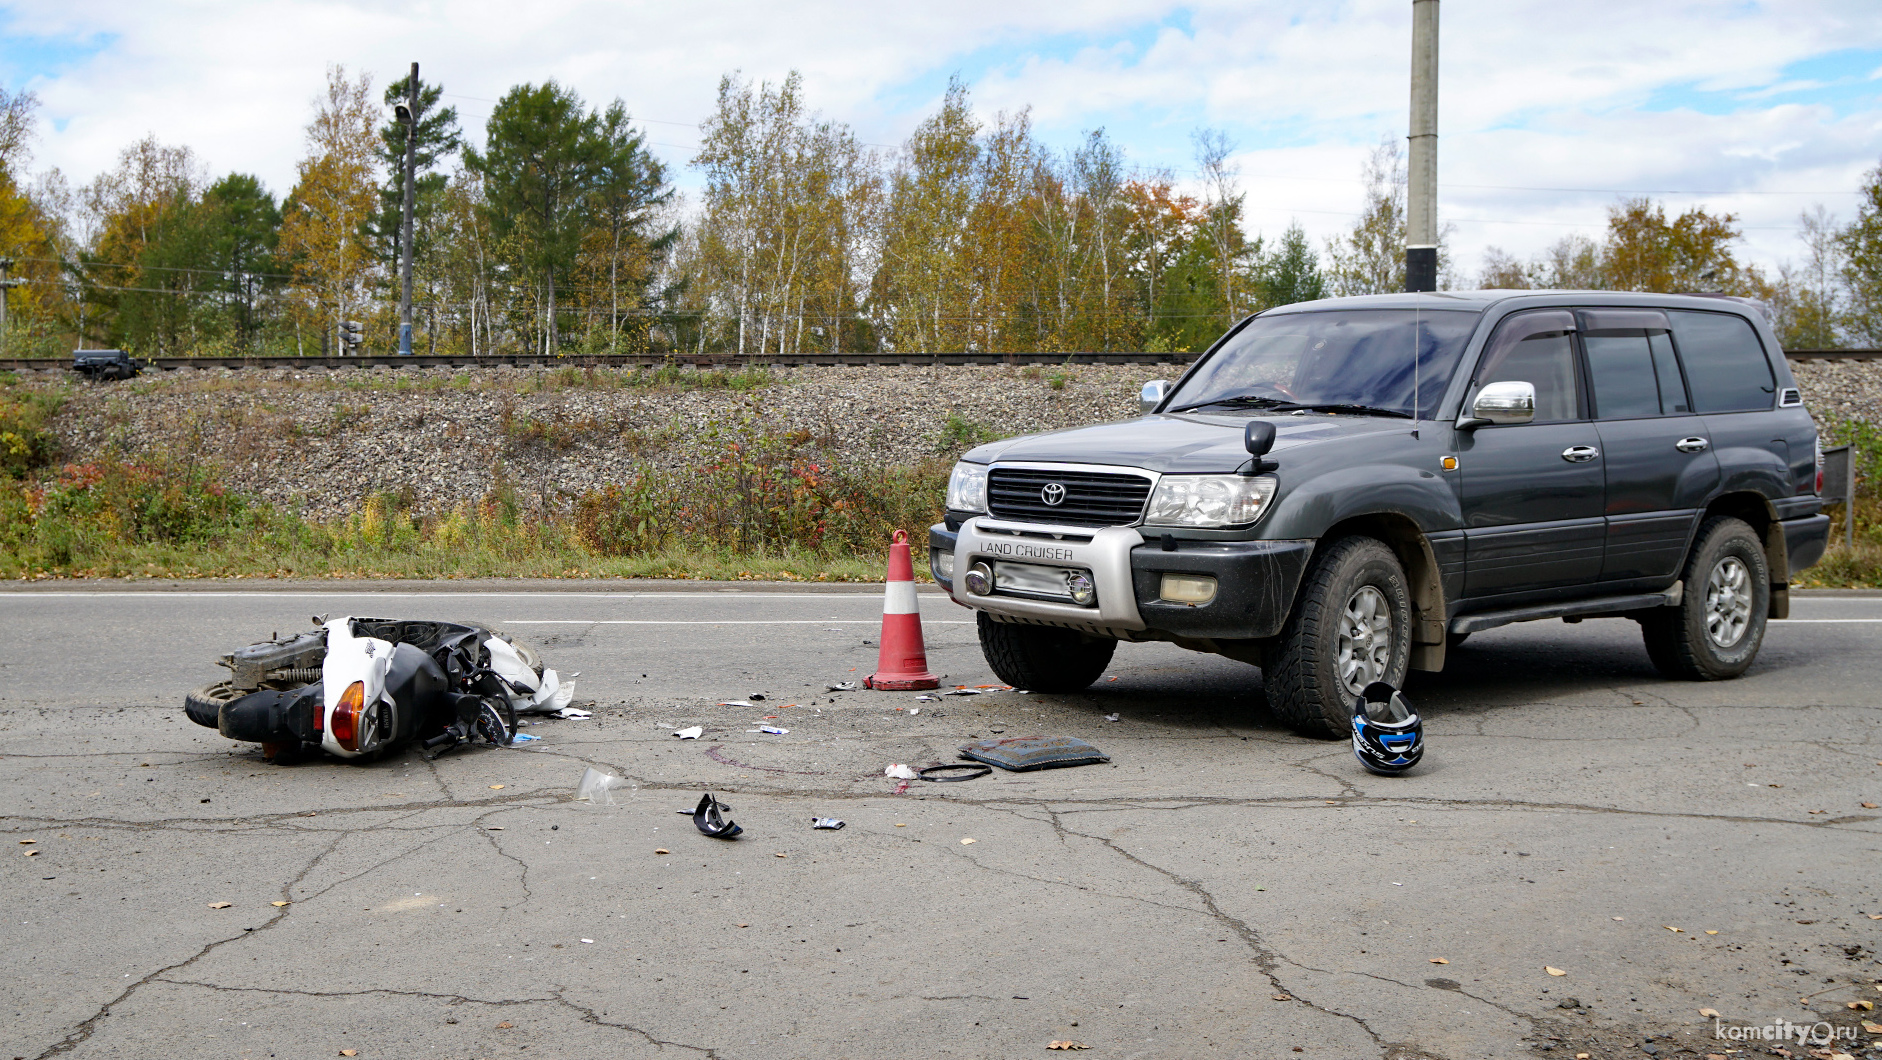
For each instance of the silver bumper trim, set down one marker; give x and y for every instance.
(1107, 556)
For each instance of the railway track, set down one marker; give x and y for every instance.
(722, 361)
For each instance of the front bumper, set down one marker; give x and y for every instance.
(1255, 580)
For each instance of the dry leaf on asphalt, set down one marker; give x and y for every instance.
(661, 850)
(1875, 916)
(1709, 1012)
(1439, 960)
(1670, 927)
(277, 905)
(1068, 1045)
(1711, 932)
(1553, 971)
(780, 855)
(1869, 806)
(967, 842)
(28, 842)
(349, 1052)
(1866, 1006)
(1283, 997)
(220, 905)
(496, 787)
(506, 1025)
(32, 853)
(1872, 1027)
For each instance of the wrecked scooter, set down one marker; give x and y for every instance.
(362, 688)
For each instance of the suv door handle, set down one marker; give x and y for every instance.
(1691, 445)
(1580, 454)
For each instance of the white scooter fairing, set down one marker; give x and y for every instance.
(351, 660)
(528, 694)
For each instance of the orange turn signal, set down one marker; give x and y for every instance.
(346, 715)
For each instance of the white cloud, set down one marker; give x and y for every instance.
(1535, 93)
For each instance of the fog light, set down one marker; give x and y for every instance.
(1194, 589)
(941, 565)
(1079, 585)
(979, 579)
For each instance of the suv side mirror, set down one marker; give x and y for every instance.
(1152, 395)
(1501, 403)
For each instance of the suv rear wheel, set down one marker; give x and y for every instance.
(1716, 630)
(1042, 658)
(1351, 626)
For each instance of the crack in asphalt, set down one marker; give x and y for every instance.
(84, 1029)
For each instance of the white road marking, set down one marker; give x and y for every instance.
(1825, 620)
(721, 594)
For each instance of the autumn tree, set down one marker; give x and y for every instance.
(1646, 252)
(1370, 258)
(29, 232)
(1860, 245)
(325, 234)
(922, 285)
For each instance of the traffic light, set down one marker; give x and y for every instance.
(352, 337)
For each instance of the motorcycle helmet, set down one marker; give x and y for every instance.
(1388, 737)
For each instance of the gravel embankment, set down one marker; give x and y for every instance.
(327, 440)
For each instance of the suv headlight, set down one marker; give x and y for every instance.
(967, 488)
(1209, 500)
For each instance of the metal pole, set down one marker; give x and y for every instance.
(6, 267)
(405, 217)
(1421, 198)
(1849, 502)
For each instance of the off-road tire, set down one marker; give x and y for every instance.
(204, 705)
(1043, 658)
(1300, 669)
(1678, 638)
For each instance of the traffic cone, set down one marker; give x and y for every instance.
(903, 663)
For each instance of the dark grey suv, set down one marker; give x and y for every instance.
(1337, 491)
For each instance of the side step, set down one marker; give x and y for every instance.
(1603, 605)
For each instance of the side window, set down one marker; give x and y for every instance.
(1631, 364)
(1536, 348)
(1725, 363)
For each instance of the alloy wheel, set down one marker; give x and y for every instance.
(1364, 644)
(1728, 602)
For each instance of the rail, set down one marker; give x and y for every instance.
(720, 361)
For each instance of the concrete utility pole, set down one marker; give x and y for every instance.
(409, 115)
(1421, 193)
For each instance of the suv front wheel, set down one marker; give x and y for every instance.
(1351, 626)
(1042, 658)
(1716, 629)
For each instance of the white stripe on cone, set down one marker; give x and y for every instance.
(899, 599)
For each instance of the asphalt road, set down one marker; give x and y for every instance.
(1222, 888)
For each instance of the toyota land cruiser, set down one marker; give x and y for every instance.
(1338, 491)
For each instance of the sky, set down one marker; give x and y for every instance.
(1549, 112)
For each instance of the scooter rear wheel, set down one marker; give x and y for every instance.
(204, 705)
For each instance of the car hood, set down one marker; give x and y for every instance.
(1181, 442)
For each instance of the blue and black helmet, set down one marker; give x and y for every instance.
(1388, 737)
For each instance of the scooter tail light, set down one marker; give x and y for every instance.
(347, 713)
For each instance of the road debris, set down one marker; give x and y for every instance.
(1067, 1045)
(935, 774)
(595, 787)
(1112, 717)
(899, 771)
(774, 730)
(661, 850)
(696, 731)
(739, 703)
(1553, 971)
(278, 905)
(1439, 960)
(969, 842)
(1022, 753)
(845, 686)
(827, 823)
(574, 714)
(523, 737)
(709, 818)
(220, 905)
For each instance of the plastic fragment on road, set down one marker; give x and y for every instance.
(709, 818)
(589, 941)
(695, 732)
(738, 703)
(841, 686)
(596, 787)
(1022, 753)
(926, 699)
(963, 691)
(899, 771)
(1112, 717)
(523, 737)
(912, 711)
(574, 713)
(773, 730)
(827, 823)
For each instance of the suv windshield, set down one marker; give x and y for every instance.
(1338, 359)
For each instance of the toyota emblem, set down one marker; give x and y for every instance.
(1053, 494)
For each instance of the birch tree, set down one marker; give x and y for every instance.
(326, 216)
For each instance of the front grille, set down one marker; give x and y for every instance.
(1092, 498)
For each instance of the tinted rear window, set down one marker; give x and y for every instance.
(1725, 363)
